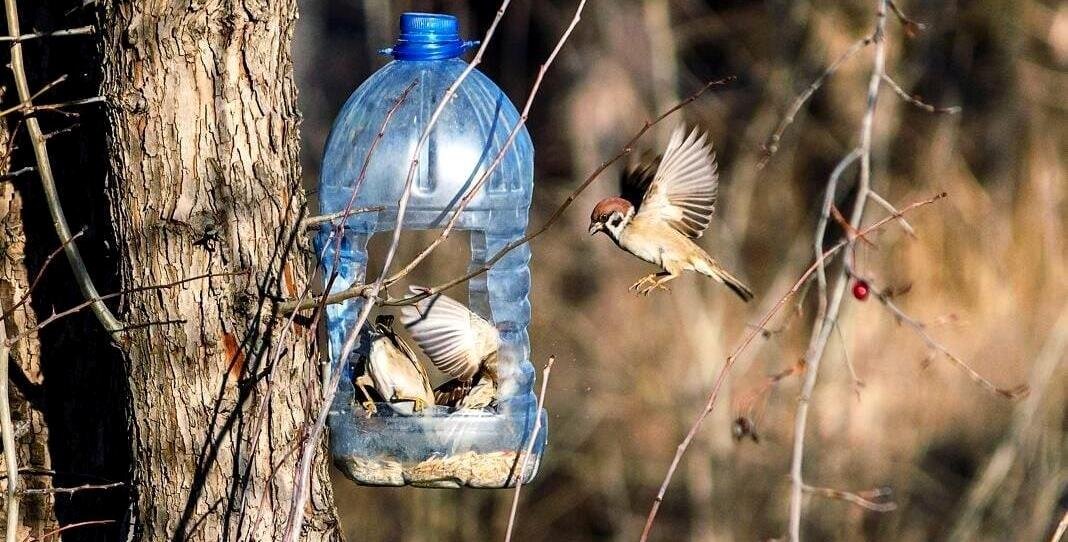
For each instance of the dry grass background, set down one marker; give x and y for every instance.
(987, 273)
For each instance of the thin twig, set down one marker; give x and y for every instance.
(40, 273)
(7, 434)
(75, 526)
(854, 498)
(821, 228)
(916, 101)
(890, 207)
(61, 131)
(320, 302)
(772, 145)
(313, 222)
(911, 27)
(851, 231)
(330, 381)
(80, 31)
(1061, 528)
(28, 102)
(48, 184)
(311, 442)
(530, 447)
(858, 384)
(71, 490)
(339, 229)
(754, 331)
(340, 221)
(59, 106)
(824, 323)
(21, 171)
(57, 315)
(477, 185)
(921, 330)
(748, 403)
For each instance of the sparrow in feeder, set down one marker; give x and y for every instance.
(392, 370)
(460, 344)
(666, 203)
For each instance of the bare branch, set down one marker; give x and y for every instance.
(79, 31)
(911, 27)
(509, 142)
(921, 330)
(748, 403)
(855, 498)
(40, 273)
(7, 434)
(48, 184)
(858, 384)
(72, 490)
(772, 145)
(821, 227)
(331, 379)
(57, 315)
(70, 526)
(58, 107)
(890, 207)
(61, 131)
(829, 306)
(754, 331)
(1061, 528)
(530, 447)
(916, 101)
(314, 222)
(16, 173)
(28, 102)
(358, 184)
(851, 231)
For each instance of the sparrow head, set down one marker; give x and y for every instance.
(611, 215)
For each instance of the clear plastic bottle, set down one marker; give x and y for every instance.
(439, 447)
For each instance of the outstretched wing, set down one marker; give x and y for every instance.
(683, 191)
(449, 334)
(635, 179)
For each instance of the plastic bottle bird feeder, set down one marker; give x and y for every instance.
(394, 441)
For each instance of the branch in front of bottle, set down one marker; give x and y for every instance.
(362, 290)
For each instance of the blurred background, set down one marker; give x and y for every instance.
(986, 274)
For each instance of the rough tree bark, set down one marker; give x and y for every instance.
(205, 178)
(36, 512)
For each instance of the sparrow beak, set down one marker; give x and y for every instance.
(596, 227)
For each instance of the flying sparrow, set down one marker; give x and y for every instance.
(392, 370)
(666, 203)
(459, 343)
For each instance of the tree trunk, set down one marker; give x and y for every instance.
(203, 150)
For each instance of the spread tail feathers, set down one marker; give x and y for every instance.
(738, 287)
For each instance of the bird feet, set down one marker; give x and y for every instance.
(362, 382)
(648, 284)
(418, 404)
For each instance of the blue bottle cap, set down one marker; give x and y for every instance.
(428, 36)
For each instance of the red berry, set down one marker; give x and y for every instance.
(861, 290)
